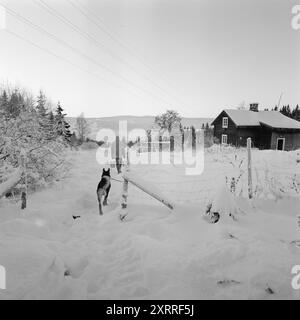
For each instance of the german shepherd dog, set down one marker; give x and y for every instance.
(103, 189)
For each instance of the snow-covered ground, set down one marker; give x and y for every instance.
(156, 253)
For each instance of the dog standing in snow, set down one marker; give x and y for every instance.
(103, 189)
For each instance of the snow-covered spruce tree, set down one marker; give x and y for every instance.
(3, 105)
(41, 105)
(51, 125)
(45, 116)
(41, 111)
(61, 125)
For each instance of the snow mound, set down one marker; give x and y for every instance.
(23, 227)
(27, 263)
(154, 252)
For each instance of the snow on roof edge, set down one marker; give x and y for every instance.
(274, 119)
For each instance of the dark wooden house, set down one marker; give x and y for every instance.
(267, 129)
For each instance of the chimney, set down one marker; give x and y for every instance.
(253, 107)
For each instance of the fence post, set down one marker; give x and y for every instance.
(250, 191)
(125, 184)
(24, 188)
(160, 143)
(172, 149)
(124, 194)
(193, 141)
(149, 143)
(160, 148)
(139, 145)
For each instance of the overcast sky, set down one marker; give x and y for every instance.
(140, 57)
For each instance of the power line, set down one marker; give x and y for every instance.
(50, 52)
(104, 29)
(87, 36)
(64, 59)
(62, 42)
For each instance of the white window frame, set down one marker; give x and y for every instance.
(283, 145)
(225, 122)
(226, 138)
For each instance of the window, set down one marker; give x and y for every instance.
(224, 138)
(225, 122)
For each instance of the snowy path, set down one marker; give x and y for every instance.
(152, 254)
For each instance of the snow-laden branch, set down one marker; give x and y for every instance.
(15, 178)
(4, 157)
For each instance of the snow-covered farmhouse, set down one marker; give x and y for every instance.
(267, 129)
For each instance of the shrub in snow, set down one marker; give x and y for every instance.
(213, 217)
(223, 204)
(89, 145)
(30, 130)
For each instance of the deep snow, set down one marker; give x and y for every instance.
(154, 253)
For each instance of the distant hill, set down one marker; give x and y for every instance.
(133, 122)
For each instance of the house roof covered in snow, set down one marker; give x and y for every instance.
(274, 119)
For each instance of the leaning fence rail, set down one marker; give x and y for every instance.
(146, 187)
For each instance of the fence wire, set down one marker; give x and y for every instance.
(273, 174)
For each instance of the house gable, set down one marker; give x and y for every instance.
(229, 131)
(219, 118)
